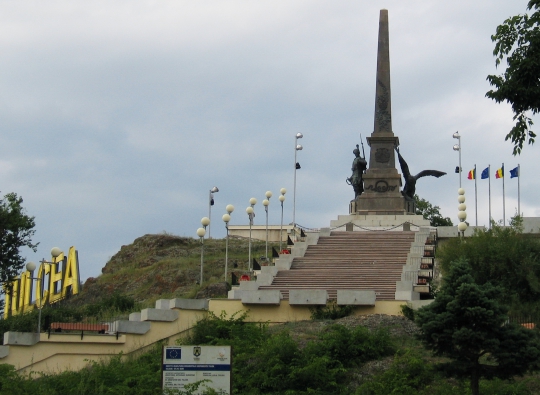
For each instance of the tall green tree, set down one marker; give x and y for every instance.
(431, 213)
(16, 231)
(503, 256)
(468, 325)
(518, 40)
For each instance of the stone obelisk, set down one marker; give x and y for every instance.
(382, 182)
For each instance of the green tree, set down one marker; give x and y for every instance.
(467, 324)
(431, 213)
(16, 231)
(518, 40)
(503, 256)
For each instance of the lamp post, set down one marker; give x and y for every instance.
(457, 147)
(462, 215)
(31, 266)
(226, 218)
(205, 221)
(297, 147)
(201, 232)
(251, 214)
(265, 203)
(281, 199)
(210, 204)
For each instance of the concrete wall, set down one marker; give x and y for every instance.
(258, 232)
(378, 220)
(284, 312)
(63, 351)
(308, 297)
(531, 225)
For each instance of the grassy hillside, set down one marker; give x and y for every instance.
(153, 267)
(167, 266)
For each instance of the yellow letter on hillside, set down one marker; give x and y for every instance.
(55, 280)
(42, 294)
(14, 304)
(25, 293)
(71, 274)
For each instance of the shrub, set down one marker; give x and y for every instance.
(330, 312)
(407, 312)
(407, 375)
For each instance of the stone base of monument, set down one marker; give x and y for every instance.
(376, 221)
(388, 205)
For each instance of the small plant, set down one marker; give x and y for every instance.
(330, 312)
(407, 311)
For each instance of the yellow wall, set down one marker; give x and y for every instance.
(68, 352)
(286, 313)
(63, 351)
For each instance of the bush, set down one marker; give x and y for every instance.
(330, 312)
(408, 373)
(408, 312)
(352, 347)
(268, 364)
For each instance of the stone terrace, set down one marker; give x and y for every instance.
(360, 260)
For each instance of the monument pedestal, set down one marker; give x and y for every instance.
(378, 221)
(381, 195)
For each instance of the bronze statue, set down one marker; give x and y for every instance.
(358, 168)
(410, 181)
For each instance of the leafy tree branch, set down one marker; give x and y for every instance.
(518, 40)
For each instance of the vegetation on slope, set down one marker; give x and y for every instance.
(353, 355)
(167, 266)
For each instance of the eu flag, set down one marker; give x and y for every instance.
(173, 353)
(485, 173)
(514, 173)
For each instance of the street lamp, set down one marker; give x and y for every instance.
(205, 221)
(462, 215)
(226, 218)
(457, 147)
(210, 204)
(265, 203)
(281, 199)
(251, 214)
(297, 147)
(31, 266)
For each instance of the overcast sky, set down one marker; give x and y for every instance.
(118, 117)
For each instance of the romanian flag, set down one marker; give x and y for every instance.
(499, 173)
(471, 175)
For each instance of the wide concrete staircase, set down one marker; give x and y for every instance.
(359, 260)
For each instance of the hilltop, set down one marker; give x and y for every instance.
(158, 266)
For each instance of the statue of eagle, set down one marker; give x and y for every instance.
(410, 181)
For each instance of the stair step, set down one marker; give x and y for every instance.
(359, 260)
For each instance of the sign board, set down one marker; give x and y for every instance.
(56, 280)
(189, 364)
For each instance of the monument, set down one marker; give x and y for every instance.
(380, 201)
(382, 182)
(380, 193)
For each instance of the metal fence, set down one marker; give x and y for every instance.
(529, 321)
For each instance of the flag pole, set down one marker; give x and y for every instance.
(519, 176)
(504, 209)
(475, 195)
(489, 193)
